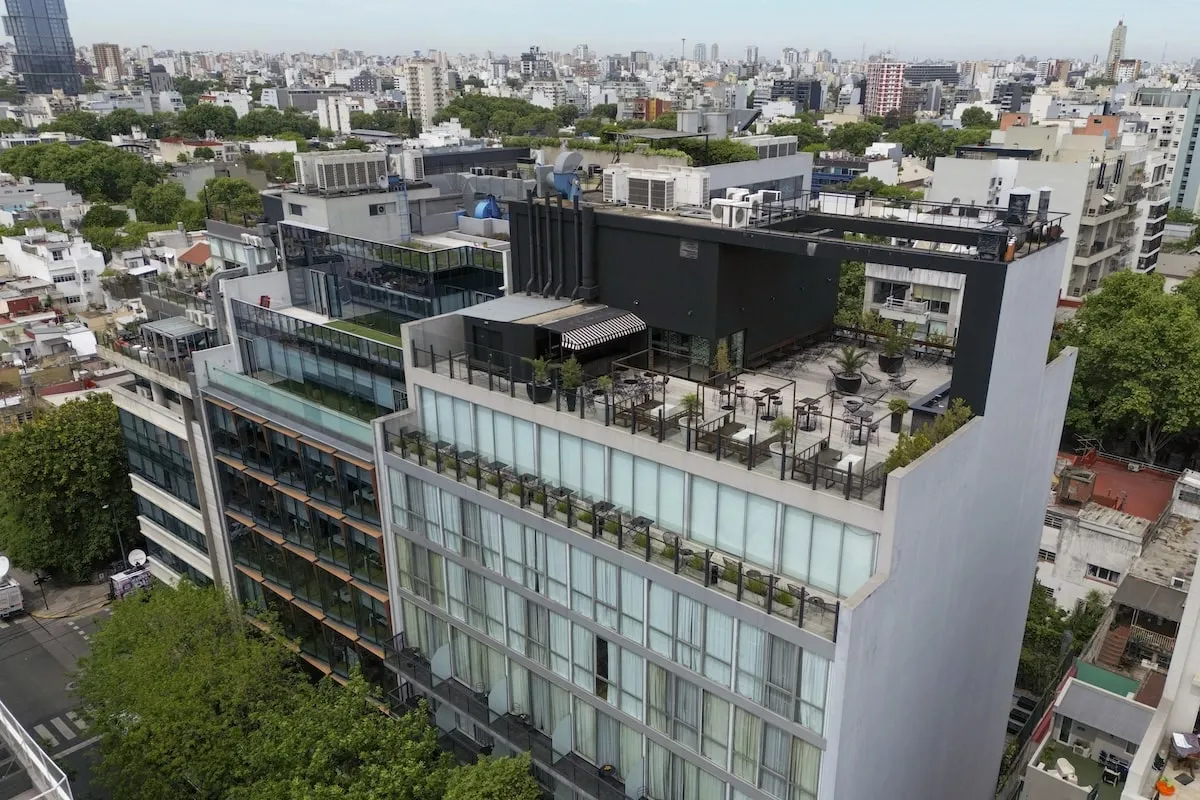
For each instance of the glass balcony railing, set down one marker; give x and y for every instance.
(293, 406)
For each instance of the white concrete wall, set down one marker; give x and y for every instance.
(351, 215)
(167, 502)
(176, 546)
(1076, 545)
(927, 650)
(969, 180)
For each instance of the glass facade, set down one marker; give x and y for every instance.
(172, 524)
(615, 654)
(159, 457)
(822, 552)
(302, 522)
(348, 373)
(45, 53)
(383, 286)
(176, 564)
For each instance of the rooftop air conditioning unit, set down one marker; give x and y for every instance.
(476, 170)
(195, 316)
(379, 209)
(1179, 582)
(735, 193)
(730, 214)
(1133, 466)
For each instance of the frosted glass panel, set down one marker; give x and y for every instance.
(797, 538)
(760, 531)
(523, 434)
(548, 444)
(462, 425)
(445, 418)
(826, 547)
(622, 480)
(731, 520)
(858, 559)
(593, 470)
(429, 413)
(485, 436)
(504, 438)
(704, 511)
(570, 456)
(645, 488)
(670, 499)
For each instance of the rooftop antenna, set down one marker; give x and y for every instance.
(683, 49)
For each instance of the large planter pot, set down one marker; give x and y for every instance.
(890, 364)
(848, 384)
(571, 396)
(897, 422)
(539, 392)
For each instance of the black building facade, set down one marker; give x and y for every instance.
(45, 55)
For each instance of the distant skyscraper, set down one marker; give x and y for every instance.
(1116, 46)
(715, 55)
(45, 55)
(700, 52)
(108, 56)
(824, 56)
(752, 54)
(791, 55)
(582, 52)
(885, 87)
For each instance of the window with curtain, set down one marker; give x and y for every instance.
(657, 697)
(751, 662)
(731, 520)
(776, 762)
(502, 426)
(608, 588)
(704, 511)
(570, 462)
(632, 684)
(585, 730)
(760, 530)
(621, 479)
(645, 489)
(548, 450)
(658, 769)
(557, 571)
(583, 658)
(718, 646)
(746, 744)
(689, 632)
(858, 559)
(593, 471)
(670, 499)
(633, 601)
(797, 543)
(783, 669)
(582, 583)
(608, 741)
(662, 620)
(631, 751)
(516, 623)
(714, 744)
(452, 521)
(560, 638)
(814, 678)
(464, 436)
(686, 714)
(485, 434)
(523, 436)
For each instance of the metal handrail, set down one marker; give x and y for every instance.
(909, 306)
(42, 769)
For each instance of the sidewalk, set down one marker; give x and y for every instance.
(61, 600)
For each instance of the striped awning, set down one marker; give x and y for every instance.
(596, 327)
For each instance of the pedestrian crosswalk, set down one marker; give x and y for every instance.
(60, 730)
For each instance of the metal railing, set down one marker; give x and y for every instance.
(45, 775)
(906, 306)
(133, 355)
(777, 595)
(610, 409)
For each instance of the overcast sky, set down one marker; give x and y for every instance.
(925, 29)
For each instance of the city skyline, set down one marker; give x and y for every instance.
(1056, 32)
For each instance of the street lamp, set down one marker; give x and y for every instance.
(116, 530)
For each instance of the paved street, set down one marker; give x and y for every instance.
(37, 657)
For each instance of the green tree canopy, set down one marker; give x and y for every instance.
(855, 136)
(104, 216)
(160, 202)
(604, 110)
(391, 121)
(98, 172)
(236, 196)
(976, 117)
(1051, 634)
(805, 132)
(1139, 361)
(566, 113)
(494, 779)
(474, 82)
(715, 151)
(55, 474)
(589, 126)
(171, 685)
(924, 140)
(878, 188)
(500, 116)
(280, 167)
(894, 119)
(11, 126)
(203, 153)
(668, 121)
(201, 118)
(191, 89)
(77, 123)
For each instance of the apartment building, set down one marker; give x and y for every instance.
(1171, 119)
(314, 356)
(426, 92)
(348, 193)
(67, 262)
(1120, 725)
(885, 87)
(238, 101)
(110, 65)
(1090, 174)
(663, 611)
(333, 114)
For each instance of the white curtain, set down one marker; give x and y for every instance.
(645, 488)
(485, 434)
(715, 741)
(760, 531)
(806, 767)
(489, 527)
(523, 436)
(631, 750)
(582, 586)
(463, 436)
(429, 413)
(826, 553)
(776, 761)
(585, 730)
(731, 520)
(516, 623)
(747, 733)
(622, 480)
(456, 585)
(514, 550)
(814, 677)
(858, 559)
(751, 650)
(584, 657)
(560, 644)
(718, 646)
(632, 683)
(557, 571)
(689, 632)
(797, 541)
(670, 499)
(662, 620)
(503, 425)
(548, 452)
(703, 512)
(656, 697)
(570, 466)
(593, 471)
(445, 417)
(608, 587)
(633, 603)
(658, 769)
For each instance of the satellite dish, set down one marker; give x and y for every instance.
(136, 558)
(3, 567)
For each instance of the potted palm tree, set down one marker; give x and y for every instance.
(570, 374)
(538, 388)
(895, 346)
(899, 407)
(848, 375)
(692, 410)
(782, 426)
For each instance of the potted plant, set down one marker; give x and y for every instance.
(603, 386)
(538, 389)
(570, 379)
(782, 426)
(1165, 786)
(721, 365)
(895, 346)
(848, 375)
(899, 407)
